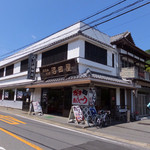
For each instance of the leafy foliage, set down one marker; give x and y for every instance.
(148, 62)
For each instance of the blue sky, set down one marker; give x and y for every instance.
(27, 21)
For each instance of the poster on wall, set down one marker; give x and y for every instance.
(19, 94)
(80, 96)
(6, 94)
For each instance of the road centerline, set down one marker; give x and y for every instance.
(20, 139)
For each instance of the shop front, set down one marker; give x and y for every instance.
(56, 101)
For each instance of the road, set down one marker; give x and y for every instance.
(17, 133)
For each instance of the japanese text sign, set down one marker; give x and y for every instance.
(64, 68)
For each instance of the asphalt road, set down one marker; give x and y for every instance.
(17, 133)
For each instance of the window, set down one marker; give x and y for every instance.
(95, 53)
(122, 98)
(1, 72)
(55, 55)
(22, 95)
(126, 64)
(9, 94)
(24, 65)
(9, 70)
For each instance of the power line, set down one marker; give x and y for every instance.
(118, 3)
(84, 29)
(127, 22)
(116, 16)
(117, 11)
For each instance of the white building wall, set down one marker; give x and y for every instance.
(39, 61)
(14, 79)
(17, 67)
(36, 95)
(118, 96)
(109, 58)
(76, 49)
(12, 104)
(93, 66)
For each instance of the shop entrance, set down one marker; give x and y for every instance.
(106, 99)
(56, 101)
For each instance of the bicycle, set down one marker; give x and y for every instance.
(100, 119)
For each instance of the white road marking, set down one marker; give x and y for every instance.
(87, 134)
(1, 148)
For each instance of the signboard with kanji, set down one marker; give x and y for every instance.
(83, 96)
(60, 69)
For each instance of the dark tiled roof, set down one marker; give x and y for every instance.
(89, 75)
(119, 36)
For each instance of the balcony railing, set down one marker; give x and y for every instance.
(134, 72)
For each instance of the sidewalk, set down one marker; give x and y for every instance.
(136, 133)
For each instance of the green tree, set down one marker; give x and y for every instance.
(148, 62)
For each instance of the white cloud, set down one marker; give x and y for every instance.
(33, 37)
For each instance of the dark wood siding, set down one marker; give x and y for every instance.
(95, 53)
(113, 60)
(24, 65)
(1, 72)
(55, 55)
(9, 70)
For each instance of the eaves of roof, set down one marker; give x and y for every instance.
(86, 78)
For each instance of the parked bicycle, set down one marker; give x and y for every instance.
(100, 119)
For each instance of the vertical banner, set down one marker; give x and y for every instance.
(92, 96)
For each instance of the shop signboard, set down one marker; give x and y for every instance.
(60, 69)
(76, 113)
(83, 96)
(31, 66)
(37, 107)
(80, 96)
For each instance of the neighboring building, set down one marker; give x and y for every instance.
(73, 65)
(132, 67)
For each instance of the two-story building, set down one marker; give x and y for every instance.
(73, 66)
(132, 63)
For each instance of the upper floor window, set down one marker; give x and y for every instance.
(24, 65)
(126, 64)
(95, 53)
(55, 55)
(1, 72)
(9, 70)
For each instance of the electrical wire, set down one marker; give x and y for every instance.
(109, 7)
(117, 11)
(88, 27)
(118, 3)
(116, 16)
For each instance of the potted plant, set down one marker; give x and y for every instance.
(136, 115)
